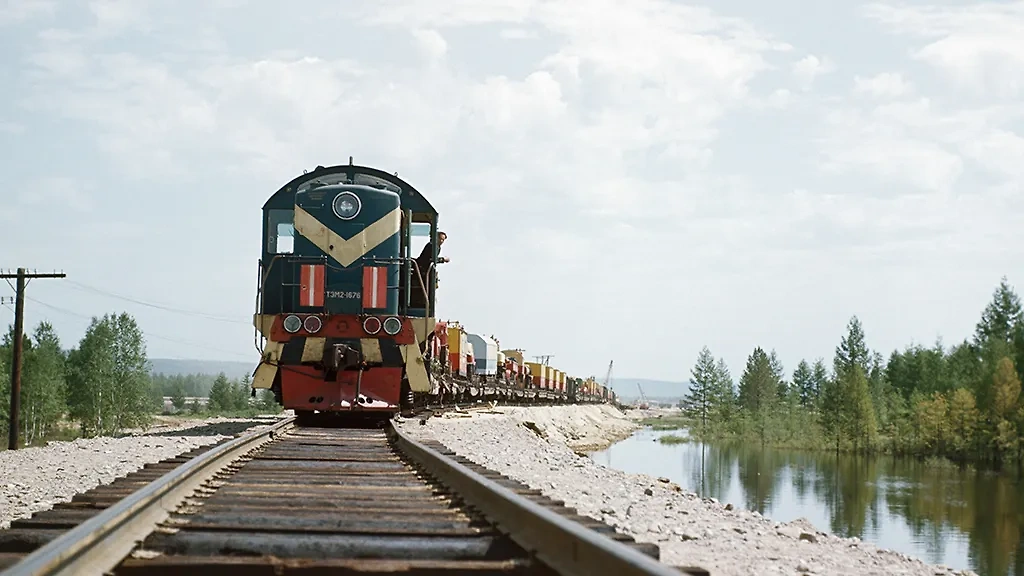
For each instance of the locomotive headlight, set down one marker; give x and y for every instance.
(392, 326)
(312, 324)
(371, 325)
(292, 323)
(346, 205)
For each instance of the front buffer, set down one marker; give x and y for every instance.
(348, 365)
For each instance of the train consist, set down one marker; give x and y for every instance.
(345, 314)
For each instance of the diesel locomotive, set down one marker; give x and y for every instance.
(345, 315)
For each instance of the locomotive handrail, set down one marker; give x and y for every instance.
(261, 281)
(256, 319)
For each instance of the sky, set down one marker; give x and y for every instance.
(618, 180)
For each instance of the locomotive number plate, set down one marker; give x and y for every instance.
(342, 294)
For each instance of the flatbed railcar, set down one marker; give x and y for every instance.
(345, 317)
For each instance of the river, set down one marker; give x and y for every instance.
(936, 512)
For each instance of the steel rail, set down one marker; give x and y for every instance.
(100, 543)
(565, 546)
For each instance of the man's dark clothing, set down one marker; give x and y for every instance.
(418, 297)
(423, 261)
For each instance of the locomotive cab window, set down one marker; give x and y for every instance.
(420, 236)
(281, 232)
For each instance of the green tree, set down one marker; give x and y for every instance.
(932, 422)
(860, 417)
(803, 381)
(221, 398)
(43, 385)
(832, 413)
(265, 402)
(1005, 389)
(963, 420)
(819, 379)
(241, 392)
(90, 378)
(177, 394)
(108, 376)
(131, 374)
(700, 400)
(758, 390)
(1001, 317)
(852, 350)
(724, 395)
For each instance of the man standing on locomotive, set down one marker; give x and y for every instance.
(426, 271)
(424, 258)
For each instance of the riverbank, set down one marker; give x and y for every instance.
(36, 478)
(539, 446)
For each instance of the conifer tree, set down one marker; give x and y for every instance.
(804, 383)
(699, 400)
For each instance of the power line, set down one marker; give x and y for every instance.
(146, 333)
(163, 307)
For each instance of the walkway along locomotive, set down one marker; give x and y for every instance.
(345, 317)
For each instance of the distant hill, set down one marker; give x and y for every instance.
(654, 389)
(182, 367)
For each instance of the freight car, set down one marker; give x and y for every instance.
(345, 316)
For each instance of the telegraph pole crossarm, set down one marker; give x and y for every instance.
(23, 276)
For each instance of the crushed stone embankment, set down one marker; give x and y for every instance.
(34, 479)
(538, 446)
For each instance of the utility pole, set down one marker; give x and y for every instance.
(22, 275)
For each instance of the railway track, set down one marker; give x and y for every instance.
(292, 499)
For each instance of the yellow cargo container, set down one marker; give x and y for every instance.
(537, 370)
(458, 348)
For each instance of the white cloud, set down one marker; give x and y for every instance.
(977, 46)
(1001, 152)
(453, 13)
(432, 44)
(19, 11)
(592, 162)
(114, 16)
(7, 127)
(905, 142)
(625, 80)
(506, 105)
(58, 193)
(517, 34)
(884, 85)
(808, 68)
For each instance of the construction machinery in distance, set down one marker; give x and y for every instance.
(642, 402)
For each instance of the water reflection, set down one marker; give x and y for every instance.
(941, 514)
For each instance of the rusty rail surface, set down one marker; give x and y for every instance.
(313, 500)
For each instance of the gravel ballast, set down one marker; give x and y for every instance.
(538, 446)
(34, 479)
